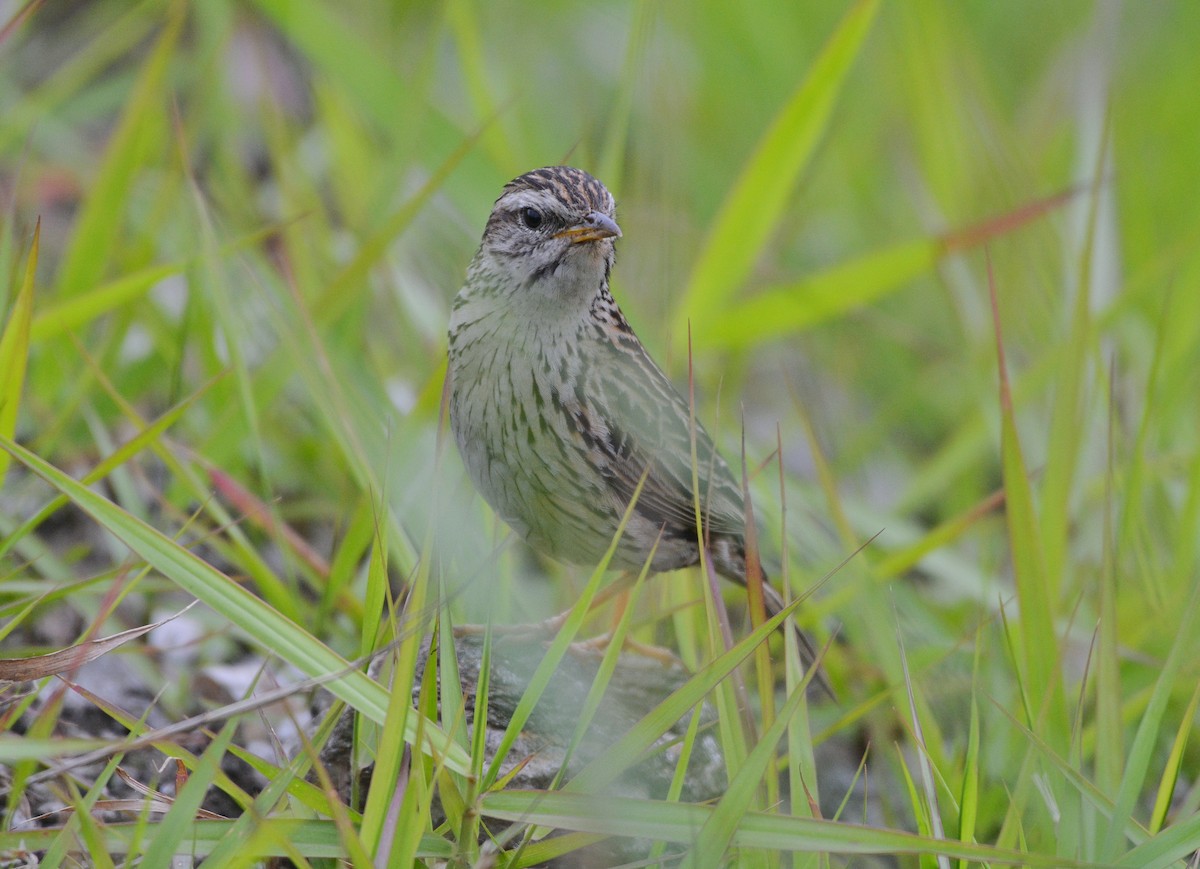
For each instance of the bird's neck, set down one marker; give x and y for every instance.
(555, 300)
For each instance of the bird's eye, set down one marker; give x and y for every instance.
(531, 217)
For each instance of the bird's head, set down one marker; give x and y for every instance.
(551, 231)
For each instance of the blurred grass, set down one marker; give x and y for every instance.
(254, 216)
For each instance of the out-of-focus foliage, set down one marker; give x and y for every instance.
(262, 209)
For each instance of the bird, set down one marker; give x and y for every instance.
(558, 410)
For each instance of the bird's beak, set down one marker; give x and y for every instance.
(593, 227)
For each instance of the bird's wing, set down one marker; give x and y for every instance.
(649, 432)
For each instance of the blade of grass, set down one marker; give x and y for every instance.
(14, 749)
(675, 790)
(757, 201)
(968, 798)
(1038, 640)
(1110, 742)
(64, 842)
(558, 648)
(89, 828)
(400, 714)
(625, 752)
(1173, 766)
(471, 820)
(361, 70)
(1145, 740)
(757, 607)
(801, 765)
(785, 309)
(501, 139)
(14, 351)
(920, 810)
(148, 436)
(789, 308)
(1176, 843)
(83, 308)
(1067, 415)
(734, 721)
(396, 849)
(98, 223)
(259, 622)
(930, 809)
(273, 837)
(616, 130)
(172, 831)
(719, 830)
(678, 822)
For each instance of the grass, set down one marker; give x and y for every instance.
(940, 258)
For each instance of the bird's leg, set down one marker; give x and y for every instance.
(618, 589)
(551, 626)
(664, 656)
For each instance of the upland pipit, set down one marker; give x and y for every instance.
(557, 408)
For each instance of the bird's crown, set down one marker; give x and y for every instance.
(575, 189)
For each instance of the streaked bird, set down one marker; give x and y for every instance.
(558, 409)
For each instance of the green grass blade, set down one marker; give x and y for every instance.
(722, 825)
(89, 831)
(789, 308)
(63, 843)
(611, 165)
(330, 42)
(258, 621)
(499, 140)
(785, 309)
(1038, 641)
(391, 754)
(1068, 414)
(274, 837)
(547, 666)
(968, 799)
(678, 822)
(14, 749)
(14, 351)
(147, 437)
(1145, 741)
(171, 833)
(752, 209)
(98, 223)
(1174, 844)
(1110, 738)
(81, 309)
(626, 751)
(1173, 766)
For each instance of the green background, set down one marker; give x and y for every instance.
(264, 209)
